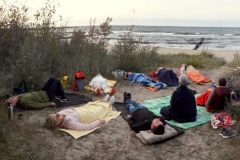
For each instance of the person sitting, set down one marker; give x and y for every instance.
(143, 80)
(101, 85)
(141, 118)
(182, 106)
(81, 118)
(218, 96)
(39, 99)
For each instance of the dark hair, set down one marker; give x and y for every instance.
(158, 130)
(222, 81)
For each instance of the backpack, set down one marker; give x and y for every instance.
(222, 120)
(78, 83)
(64, 81)
(22, 88)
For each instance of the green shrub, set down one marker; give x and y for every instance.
(235, 62)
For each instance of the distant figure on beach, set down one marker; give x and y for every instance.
(198, 44)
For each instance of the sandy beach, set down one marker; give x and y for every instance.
(228, 55)
(116, 141)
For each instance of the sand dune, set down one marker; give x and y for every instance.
(228, 55)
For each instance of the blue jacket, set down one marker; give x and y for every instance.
(183, 105)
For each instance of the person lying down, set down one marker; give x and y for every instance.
(143, 80)
(81, 118)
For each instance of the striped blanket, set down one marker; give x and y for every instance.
(155, 105)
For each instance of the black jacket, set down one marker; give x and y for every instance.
(142, 119)
(183, 105)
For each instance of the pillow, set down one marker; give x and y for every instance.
(147, 137)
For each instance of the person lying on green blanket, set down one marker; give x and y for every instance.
(182, 106)
(141, 118)
(81, 118)
(39, 99)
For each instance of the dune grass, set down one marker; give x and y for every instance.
(36, 54)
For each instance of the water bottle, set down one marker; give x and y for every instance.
(10, 112)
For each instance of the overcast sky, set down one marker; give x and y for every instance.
(210, 13)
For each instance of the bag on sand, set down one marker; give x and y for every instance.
(22, 88)
(222, 120)
(64, 81)
(78, 83)
(118, 74)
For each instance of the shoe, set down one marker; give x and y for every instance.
(58, 97)
(124, 97)
(98, 91)
(222, 131)
(65, 99)
(111, 100)
(106, 97)
(112, 92)
(129, 96)
(228, 133)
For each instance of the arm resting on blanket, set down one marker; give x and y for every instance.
(136, 126)
(81, 126)
(209, 101)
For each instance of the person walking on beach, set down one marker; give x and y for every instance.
(198, 44)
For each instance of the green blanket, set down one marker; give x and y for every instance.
(155, 105)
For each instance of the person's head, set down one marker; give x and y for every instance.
(12, 100)
(127, 74)
(183, 80)
(222, 82)
(54, 120)
(157, 126)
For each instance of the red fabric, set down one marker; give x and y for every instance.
(74, 85)
(79, 75)
(222, 120)
(202, 98)
(152, 74)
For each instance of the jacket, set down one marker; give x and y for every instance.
(217, 99)
(34, 100)
(183, 105)
(141, 120)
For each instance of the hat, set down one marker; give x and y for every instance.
(183, 80)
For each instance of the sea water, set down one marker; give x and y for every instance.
(215, 38)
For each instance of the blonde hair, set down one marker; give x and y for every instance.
(50, 123)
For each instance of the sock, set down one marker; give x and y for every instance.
(111, 100)
(106, 98)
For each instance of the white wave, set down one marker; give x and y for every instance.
(228, 35)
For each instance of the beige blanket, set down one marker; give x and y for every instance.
(90, 112)
(147, 137)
